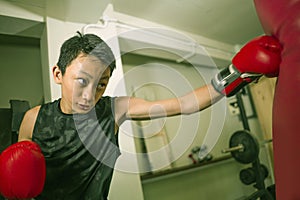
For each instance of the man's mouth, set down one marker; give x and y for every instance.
(84, 107)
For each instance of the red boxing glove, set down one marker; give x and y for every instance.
(260, 56)
(22, 171)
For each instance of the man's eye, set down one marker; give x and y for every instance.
(101, 86)
(82, 81)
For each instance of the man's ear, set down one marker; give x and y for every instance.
(57, 74)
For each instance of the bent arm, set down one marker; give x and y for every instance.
(27, 125)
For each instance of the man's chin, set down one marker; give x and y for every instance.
(81, 111)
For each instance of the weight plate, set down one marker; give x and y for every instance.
(251, 148)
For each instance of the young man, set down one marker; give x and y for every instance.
(71, 129)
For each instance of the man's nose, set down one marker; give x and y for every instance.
(88, 94)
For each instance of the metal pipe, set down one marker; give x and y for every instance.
(239, 147)
(242, 111)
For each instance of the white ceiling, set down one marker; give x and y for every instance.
(229, 21)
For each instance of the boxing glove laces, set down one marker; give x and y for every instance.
(261, 56)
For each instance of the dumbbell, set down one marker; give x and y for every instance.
(202, 154)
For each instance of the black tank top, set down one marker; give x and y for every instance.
(80, 151)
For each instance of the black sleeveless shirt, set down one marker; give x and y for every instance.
(80, 151)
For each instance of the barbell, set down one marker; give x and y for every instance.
(243, 147)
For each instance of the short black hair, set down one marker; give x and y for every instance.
(88, 44)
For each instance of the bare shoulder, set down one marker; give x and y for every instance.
(121, 108)
(120, 101)
(27, 125)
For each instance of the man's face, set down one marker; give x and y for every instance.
(83, 84)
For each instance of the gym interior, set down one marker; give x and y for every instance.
(163, 49)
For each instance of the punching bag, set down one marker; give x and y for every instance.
(281, 18)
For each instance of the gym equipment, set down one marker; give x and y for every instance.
(18, 108)
(248, 175)
(201, 153)
(243, 147)
(281, 19)
(10, 121)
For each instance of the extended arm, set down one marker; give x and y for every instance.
(192, 102)
(260, 56)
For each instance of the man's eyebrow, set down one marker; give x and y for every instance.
(87, 74)
(104, 77)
